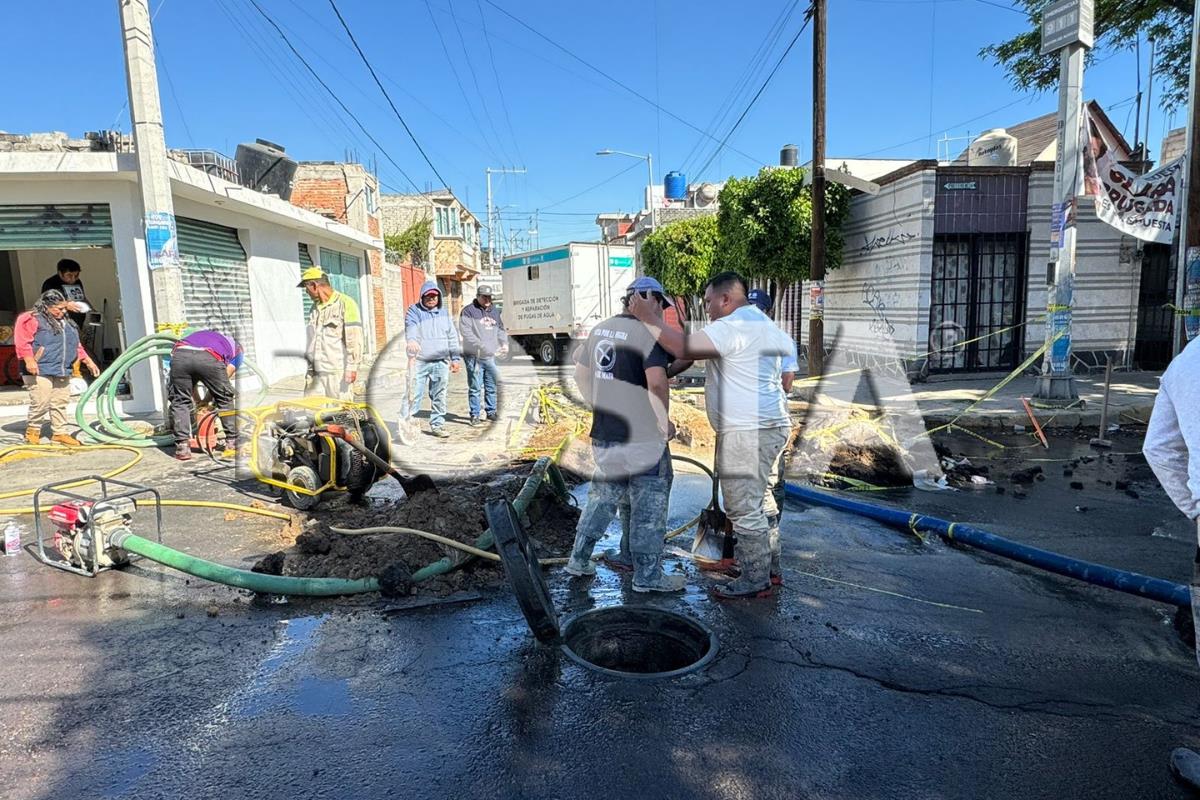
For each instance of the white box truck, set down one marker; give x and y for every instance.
(556, 295)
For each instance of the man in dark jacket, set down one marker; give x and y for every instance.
(433, 342)
(483, 338)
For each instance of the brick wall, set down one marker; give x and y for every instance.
(326, 195)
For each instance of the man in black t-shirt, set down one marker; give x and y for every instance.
(66, 282)
(622, 374)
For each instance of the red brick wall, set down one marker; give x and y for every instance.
(325, 196)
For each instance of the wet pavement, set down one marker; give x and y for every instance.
(886, 667)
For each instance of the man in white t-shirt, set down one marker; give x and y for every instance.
(1172, 449)
(744, 353)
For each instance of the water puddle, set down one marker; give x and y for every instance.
(309, 695)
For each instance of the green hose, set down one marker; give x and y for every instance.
(108, 426)
(311, 587)
(242, 578)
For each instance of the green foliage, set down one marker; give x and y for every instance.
(1118, 24)
(413, 243)
(765, 225)
(680, 255)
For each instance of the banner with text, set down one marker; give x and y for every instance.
(1143, 206)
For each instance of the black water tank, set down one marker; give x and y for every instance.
(264, 167)
(789, 155)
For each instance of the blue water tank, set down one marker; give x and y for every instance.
(675, 185)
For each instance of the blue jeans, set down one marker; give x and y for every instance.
(480, 368)
(437, 374)
(647, 493)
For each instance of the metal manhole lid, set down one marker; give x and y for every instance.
(522, 569)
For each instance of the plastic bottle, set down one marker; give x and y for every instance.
(12, 539)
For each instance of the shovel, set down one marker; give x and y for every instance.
(406, 428)
(713, 544)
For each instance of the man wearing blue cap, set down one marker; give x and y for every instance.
(622, 375)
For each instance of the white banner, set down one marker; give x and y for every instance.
(1143, 206)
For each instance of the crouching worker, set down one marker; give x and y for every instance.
(622, 374)
(204, 357)
(47, 342)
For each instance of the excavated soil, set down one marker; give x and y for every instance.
(455, 511)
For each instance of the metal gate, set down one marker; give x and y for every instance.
(1155, 320)
(977, 296)
(345, 272)
(55, 226)
(216, 280)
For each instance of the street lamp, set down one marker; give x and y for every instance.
(649, 168)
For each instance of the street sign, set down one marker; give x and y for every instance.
(1065, 23)
(845, 179)
(960, 186)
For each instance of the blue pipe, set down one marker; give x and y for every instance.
(1129, 582)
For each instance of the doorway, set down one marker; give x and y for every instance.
(977, 297)
(1155, 319)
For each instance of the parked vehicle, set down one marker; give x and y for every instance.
(555, 296)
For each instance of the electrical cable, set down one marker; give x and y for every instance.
(753, 100)
(499, 85)
(611, 79)
(610, 179)
(386, 96)
(336, 98)
(487, 112)
(923, 137)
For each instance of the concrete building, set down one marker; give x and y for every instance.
(455, 254)
(241, 251)
(948, 253)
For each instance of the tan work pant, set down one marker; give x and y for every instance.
(747, 465)
(48, 397)
(329, 384)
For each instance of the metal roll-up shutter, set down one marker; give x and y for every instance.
(55, 226)
(216, 280)
(305, 262)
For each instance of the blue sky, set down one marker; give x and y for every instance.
(899, 71)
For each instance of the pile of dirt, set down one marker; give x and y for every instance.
(853, 444)
(691, 426)
(455, 511)
(878, 464)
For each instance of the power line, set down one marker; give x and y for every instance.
(607, 180)
(944, 127)
(487, 112)
(379, 83)
(496, 77)
(761, 89)
(337, 99)
(458, 80)
(611, 79)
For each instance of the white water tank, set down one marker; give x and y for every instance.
(994, 148)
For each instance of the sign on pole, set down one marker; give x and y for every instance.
(1065, 23)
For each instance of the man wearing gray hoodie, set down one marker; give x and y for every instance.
(433, 342)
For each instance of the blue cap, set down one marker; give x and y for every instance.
(761, 299)
(647, 284)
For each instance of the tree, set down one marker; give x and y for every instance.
(1118, 25)
(765, 225)
(680, 256)
(413, 243)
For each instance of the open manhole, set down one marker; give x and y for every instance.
(622, 641)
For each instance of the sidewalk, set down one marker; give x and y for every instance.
(944, 399)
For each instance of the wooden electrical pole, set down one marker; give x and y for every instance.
(816, 274)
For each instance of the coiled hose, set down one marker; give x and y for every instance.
(108, 427)
(1110, 578)
(319, 587)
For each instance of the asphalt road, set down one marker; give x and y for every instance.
(887, 667)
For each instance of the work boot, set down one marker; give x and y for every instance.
(617, 560)
(473, 422)
(648, 575)
(65, 439)
(1185, 766)
(33, 435)
(580, 563)
(492, 416)
(183, 452)
(754, 581)
(439, 433)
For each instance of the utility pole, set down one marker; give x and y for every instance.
(491, 213)
(1066, 29)
(816, 275)
(1187, 286)
(154, 181)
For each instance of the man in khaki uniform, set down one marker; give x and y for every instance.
(335, 338)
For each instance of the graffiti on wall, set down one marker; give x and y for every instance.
(873, 299)
(871, 244)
